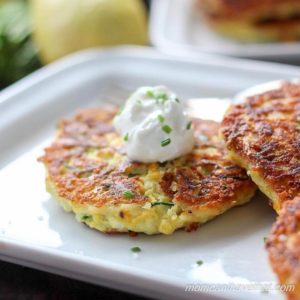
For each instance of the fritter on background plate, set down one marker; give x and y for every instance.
(254, 20)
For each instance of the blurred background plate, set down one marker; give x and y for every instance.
(177, 28)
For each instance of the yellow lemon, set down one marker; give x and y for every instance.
(65, 26)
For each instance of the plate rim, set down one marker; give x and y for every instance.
(143, 52)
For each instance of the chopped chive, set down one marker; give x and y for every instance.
(86, 218)
(136, 249)
(162, 203)
(137, 171)
(165, 142)
(125, 138)
(189, 125)
(199, 262)
(177, 100)
(128, 194)
(162, 97)
(120, 110)
(265, 239)
(161, 118)
(150, 94)
(167, 129)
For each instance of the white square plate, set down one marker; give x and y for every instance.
(176, 27)
(35, 231)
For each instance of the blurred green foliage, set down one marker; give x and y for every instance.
(18, 56)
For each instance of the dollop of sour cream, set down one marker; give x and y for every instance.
(154, 126)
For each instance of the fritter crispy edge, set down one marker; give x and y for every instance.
(283, 246)
(262, 135)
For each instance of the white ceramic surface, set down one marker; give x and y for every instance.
(35, 231)
(176, 27)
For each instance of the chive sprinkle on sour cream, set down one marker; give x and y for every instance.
(154, 125)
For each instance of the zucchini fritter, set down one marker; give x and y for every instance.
(89, 174)
(283, 246)
(263, 136)
(254, 20)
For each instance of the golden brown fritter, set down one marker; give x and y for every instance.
(254, 20)
(283, 246)
(263, 135)
(253, 9)
(89, 174)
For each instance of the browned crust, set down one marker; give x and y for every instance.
(283, 246)
(204, 177)
(87, 181)
(265, 132)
